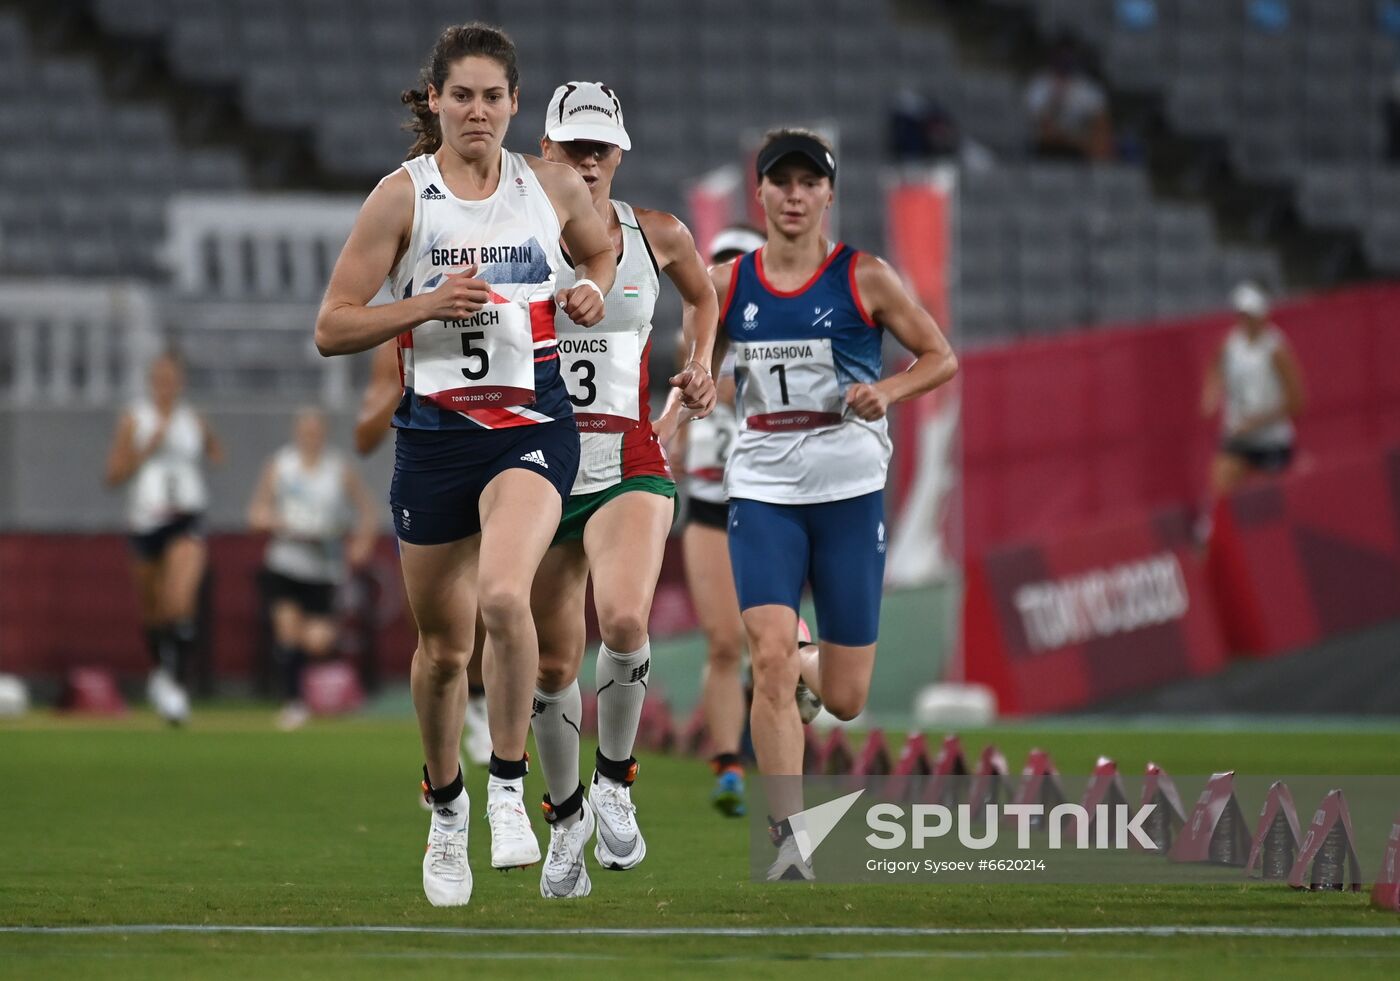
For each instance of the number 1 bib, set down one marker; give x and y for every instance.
(788, 385)
(486, 360)
(603, 373)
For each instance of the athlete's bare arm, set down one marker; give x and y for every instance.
(366, 532)
(126, 457)
(1213, 387)
(585, 236)
(213, 446)
(262, 514)
(345, 323)
(381, 398)
(721, 278)
(675, 253)
(889, 304)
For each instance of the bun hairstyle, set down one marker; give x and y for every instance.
(454, 44)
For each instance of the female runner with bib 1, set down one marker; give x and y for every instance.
(486, 450)
(806, 477)
(616, 522)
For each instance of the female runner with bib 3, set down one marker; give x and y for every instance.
(805, 479)
(487, 450)
(616, 522)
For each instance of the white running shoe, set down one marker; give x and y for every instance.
(564, 875)
(476, 736)
(447, 878)
(620, 842)
(513, 843)
(167, 697)
(790, 866)
(294, 715)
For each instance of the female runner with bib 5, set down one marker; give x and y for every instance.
(486, 452)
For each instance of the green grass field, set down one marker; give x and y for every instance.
(113, 824)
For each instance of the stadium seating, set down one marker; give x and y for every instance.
(1045, 246)
(1295, 88)
(84, 183)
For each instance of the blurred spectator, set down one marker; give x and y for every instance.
(1388, 17)
(1257, 386)
(1269, 15)
(1068, 108)
(1136, 15)
(308, 500)
(1391, 111)
(924, 130)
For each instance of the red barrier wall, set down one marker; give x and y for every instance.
(70, 600)
(1068, 620)
(1079, 428)
(1312, 556)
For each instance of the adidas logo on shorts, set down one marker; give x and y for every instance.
(431, 193)
(536, 457)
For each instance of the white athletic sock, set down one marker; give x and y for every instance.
(555, 722)
(622, 688)
(451, 815)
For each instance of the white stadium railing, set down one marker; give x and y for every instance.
(74, 342)
(255, 246)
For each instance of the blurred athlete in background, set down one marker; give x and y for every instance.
(1257, 386)
(617, 519)
(159, 452)
(306, 499)
(704, 445)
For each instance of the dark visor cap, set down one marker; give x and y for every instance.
(803, 146)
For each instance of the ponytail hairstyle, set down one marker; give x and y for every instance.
(454, 44)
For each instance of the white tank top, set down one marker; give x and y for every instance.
(605, 367)
(170, 483)
(708, 442)
(312, 514)
(796, 354)
(484, 364)
(1253, 386)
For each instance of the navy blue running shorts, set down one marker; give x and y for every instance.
(439, 475)
(838, 547)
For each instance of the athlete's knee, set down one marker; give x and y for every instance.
(775, 673)
(623, 626)
(726, 649)
(503, 605)
(845, 700)
(844, 705)
(557, 670)
(443, 659)
(318, 639)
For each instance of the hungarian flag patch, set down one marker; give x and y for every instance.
(631, 292)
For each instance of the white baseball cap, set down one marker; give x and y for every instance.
(586, 111)
(736, 238)
(1248, 299)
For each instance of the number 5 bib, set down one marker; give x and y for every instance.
(603, 373)
(486, 360)
(788, 385)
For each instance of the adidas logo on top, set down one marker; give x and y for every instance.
(536, 457)
(431, 193)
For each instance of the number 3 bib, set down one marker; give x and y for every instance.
(603, 373)
(486, 360)
(788, 385)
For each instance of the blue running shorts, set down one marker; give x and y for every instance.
(837, 547)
